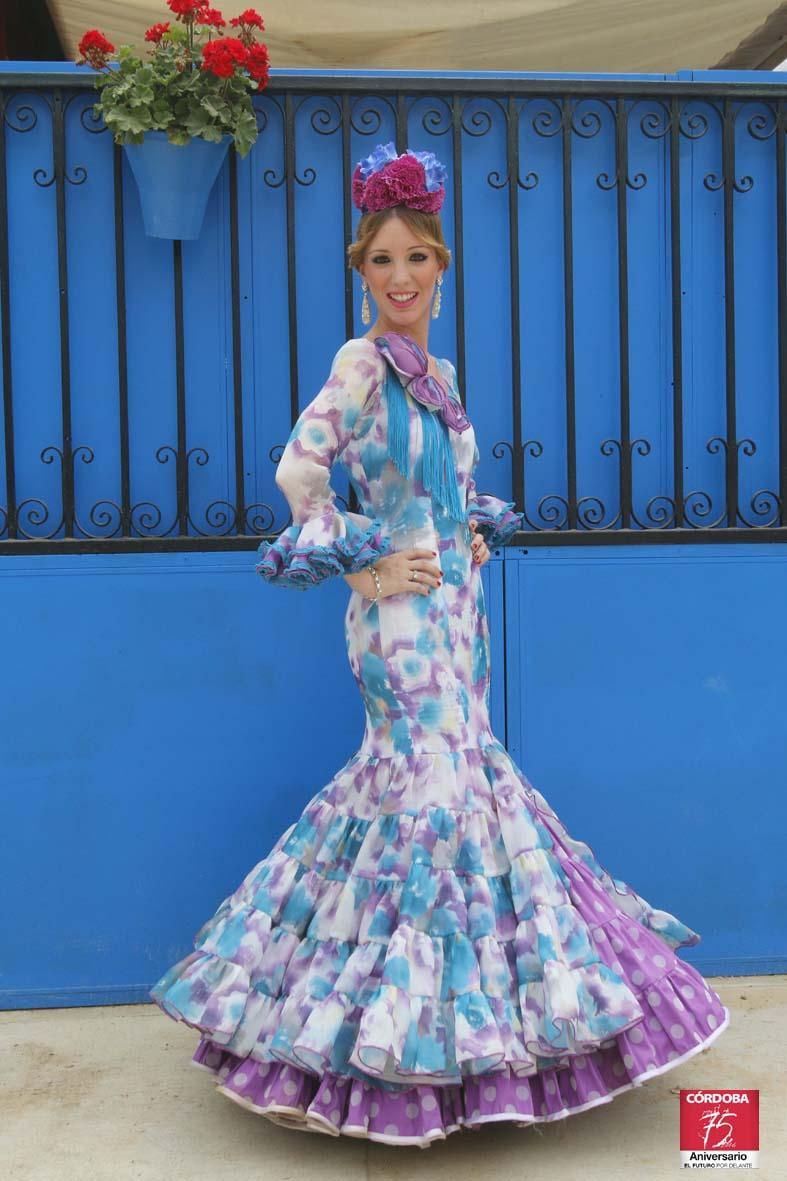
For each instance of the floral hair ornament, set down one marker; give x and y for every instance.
(383, 179)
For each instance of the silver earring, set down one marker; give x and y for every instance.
(366, 314)
(437, 298)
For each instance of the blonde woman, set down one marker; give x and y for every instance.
(425, 949)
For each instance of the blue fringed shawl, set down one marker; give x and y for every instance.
(439, 469)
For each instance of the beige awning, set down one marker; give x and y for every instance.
(584, 36)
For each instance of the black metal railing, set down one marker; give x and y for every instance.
(457, 109)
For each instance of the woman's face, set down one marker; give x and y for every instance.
(401, 271)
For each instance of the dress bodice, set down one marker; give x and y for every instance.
(421, 661)
(347, 422)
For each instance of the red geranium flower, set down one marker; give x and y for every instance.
(257, 63)
(156, 32)
(210, 16)
(94, 48)
(186, 9)
(248, 17)
(223, 56)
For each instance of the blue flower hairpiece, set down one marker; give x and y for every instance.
(436, 171)
(382, 155)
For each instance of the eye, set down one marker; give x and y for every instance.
(383, 259)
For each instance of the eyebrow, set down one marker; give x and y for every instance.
(384, 249)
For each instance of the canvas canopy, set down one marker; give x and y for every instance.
(582, 36)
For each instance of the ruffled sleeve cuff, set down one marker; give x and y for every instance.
(334, 543)
(496, 519)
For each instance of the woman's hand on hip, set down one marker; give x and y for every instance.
(415, 570)
(478, 545)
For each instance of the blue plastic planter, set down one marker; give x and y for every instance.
(175, 181)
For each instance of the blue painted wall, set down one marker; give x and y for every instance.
(645, 696)
(155, 741)
(166, 717)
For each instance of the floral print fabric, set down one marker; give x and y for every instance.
(425, 948)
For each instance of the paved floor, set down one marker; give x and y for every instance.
(109, 1094)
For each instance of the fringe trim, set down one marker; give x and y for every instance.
(439, 469)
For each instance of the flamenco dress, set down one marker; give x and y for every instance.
(425, 949)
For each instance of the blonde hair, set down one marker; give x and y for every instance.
(426, 226)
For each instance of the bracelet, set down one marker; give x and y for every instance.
(376, 578)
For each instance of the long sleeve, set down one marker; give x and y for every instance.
(496, 519)
(322, 540)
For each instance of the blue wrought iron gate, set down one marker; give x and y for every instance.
(616, 314)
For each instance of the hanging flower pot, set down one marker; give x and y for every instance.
(177, 113)
(175, 182)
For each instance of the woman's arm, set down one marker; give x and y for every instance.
(322, 540)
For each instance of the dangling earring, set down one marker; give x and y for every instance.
(366, 314)
(436, 304)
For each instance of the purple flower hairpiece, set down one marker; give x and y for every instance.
(383, 179)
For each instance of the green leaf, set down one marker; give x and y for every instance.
(124, 120)
(197, 121)
(161, 113)
(213, 134)
(215, 106)
(127, 56)
(141, 97)
(178, 136)
(243, 145)
(130, 137)
(246, 133)
(116, 89)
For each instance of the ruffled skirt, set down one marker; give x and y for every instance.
(427, 949)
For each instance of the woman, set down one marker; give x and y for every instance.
(426, 948)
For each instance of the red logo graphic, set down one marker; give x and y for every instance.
(719, 1128)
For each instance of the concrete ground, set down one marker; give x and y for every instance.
(109, 1094)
